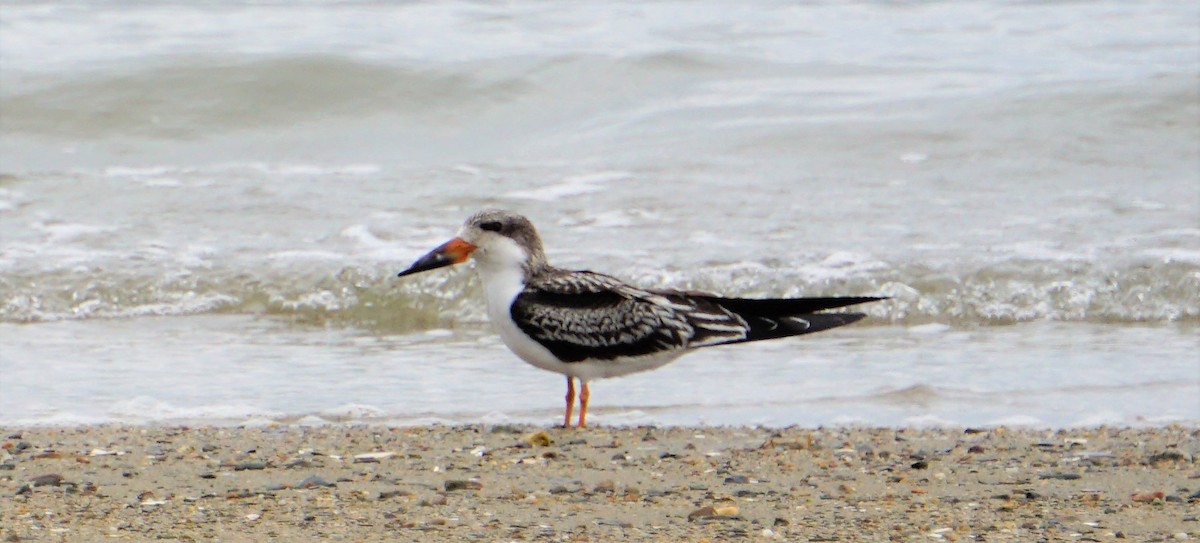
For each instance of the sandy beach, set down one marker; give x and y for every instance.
(525, 483)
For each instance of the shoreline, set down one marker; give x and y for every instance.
(525, 483)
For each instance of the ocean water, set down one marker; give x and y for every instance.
(203, 207)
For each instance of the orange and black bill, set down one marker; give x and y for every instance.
(454, 251)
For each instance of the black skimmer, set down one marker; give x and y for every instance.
(587, 325)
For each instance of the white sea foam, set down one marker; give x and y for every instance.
(301, 255)
(575, 185)
(149, 409)
(365, 237)
(140, 171)
(1101, 417)
(353, 412)
(64, 418)
(495, 417)
(850, 420)
(930, 420)
(1167, 256)
(1043, 250)
(467, 169)
(617, 218)
(65, 232)
(931, 328)
(165, 182)
(1017, 420)
(312, 420)
(313, 170)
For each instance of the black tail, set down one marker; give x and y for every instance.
(776, 318)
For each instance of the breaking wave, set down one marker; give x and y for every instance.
(371, 297)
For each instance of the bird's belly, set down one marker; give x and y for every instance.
(525, 347)
(601, 369)
(538, 356)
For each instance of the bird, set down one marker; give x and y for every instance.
(588, 325)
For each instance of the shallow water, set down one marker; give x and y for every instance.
(202, 213)
(239, 370)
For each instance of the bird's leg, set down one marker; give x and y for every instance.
(570, 401)
(583, 401)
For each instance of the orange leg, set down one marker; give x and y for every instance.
(570, 401)
(583, 401)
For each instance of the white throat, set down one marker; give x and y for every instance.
(501, 265)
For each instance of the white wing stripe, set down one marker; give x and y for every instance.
(718, 327)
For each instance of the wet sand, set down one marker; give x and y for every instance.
(524, 483)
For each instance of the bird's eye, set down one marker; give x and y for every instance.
(491, 226)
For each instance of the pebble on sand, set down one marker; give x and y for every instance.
(372, 457)
(608, 484)
(461, 484)
(538, 439)
(1148, 497)
(709, 511)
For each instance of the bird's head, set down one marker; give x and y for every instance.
(494, 238)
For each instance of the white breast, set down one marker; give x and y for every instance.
(501, 288)
(500, 268)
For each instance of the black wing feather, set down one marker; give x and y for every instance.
(587, 319)
(585, 315)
